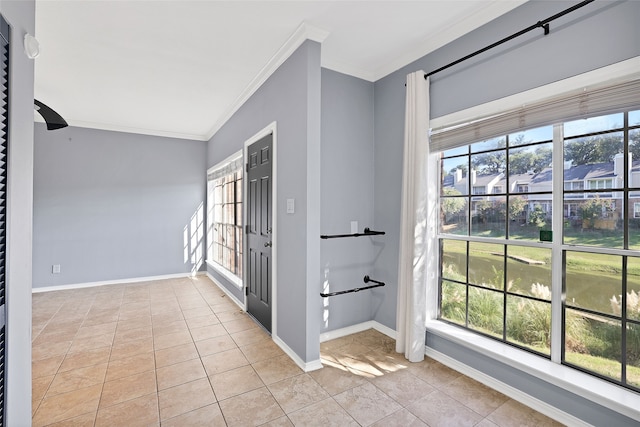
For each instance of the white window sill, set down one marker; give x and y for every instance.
(226, 274)
(599, 391)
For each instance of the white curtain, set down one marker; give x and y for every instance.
(412, 292)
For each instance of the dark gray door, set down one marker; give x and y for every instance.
(259, 236)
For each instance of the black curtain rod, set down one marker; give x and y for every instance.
(540, 24)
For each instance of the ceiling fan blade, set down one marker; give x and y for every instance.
(53, 119)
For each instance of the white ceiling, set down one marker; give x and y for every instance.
(181, 68)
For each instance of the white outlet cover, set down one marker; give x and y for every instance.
(291, 206)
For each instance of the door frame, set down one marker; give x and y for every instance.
(269, 129)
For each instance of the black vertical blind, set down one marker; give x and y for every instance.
(4, 145)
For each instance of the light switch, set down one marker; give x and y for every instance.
(354, 227)
(291, 206)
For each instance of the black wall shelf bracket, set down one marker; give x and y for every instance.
(367, 232)
(366, 279)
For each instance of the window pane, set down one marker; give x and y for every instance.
(488, 216)
(524, 162)
(634, 118)
(454, 260)
(532, 135)
(454, 215)
(633, 290)
(454, 175)
(529, 271)
(594, 343)
(456, 151)
(594, 124)
(487, 168)
(486, 265)
(592, 221)
(529, 323)
(486, 311)
(454, 302)
(633, 354)
(592, 280)
(489, 144)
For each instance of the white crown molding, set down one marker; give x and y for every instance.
(462, 27)
(303, 33)
(134, 130)
(344, 68)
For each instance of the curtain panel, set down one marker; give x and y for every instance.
(414, 245)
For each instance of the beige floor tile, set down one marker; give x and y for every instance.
(180, 373)
(206, 332)
(67, 405)
(224, 361)
(262, 350)
(120, 368)
(45, 351)
(46, 367)
(367, 403)
(215, 345)
(39, 387)
(250, 336)
(85, 358)
(234, 382)
(169, 327)
(278, 422)
(434, 373)
(527, 417)
(202, 321)
(131, 348)
(197, 312)
(253, 408)
(276, 369)
(326, 413)
(101, 329)
(177, 354)
(240, 325)
(76, 379)
(185, 398)
(401, 418)
(125, 335)
(84, 420)
(133, 323)
(141, 411)
(171, 340)
(486, 423)
(127, 388)
(92, 342)
(231, 314)
(474, 395)
(206, 416)
(336, 380)
(402, 386)
(297, 392)
(437, 409)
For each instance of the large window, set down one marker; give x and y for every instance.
(496, 247)
(224, 216)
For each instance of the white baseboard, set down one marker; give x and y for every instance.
(507, 390)
(353, 329)
(114, 282)
(305, 366)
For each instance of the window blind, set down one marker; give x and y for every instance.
(584, 103)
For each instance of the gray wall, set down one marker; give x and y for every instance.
(21, 17)
(600, 34)
(112, 205)
(291, 97)
(347, 195)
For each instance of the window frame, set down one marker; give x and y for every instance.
(233, 165)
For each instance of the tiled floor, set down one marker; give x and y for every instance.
(180, 353)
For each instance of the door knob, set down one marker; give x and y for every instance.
(267, 244)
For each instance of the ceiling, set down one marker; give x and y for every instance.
(181, 68)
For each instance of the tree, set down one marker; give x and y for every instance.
(538, 217)
(594, 149)
(489, 163)
(516, 207)
(451, 205)
(595, 208)
(523, 161)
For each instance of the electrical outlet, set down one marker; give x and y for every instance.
(55, 269)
